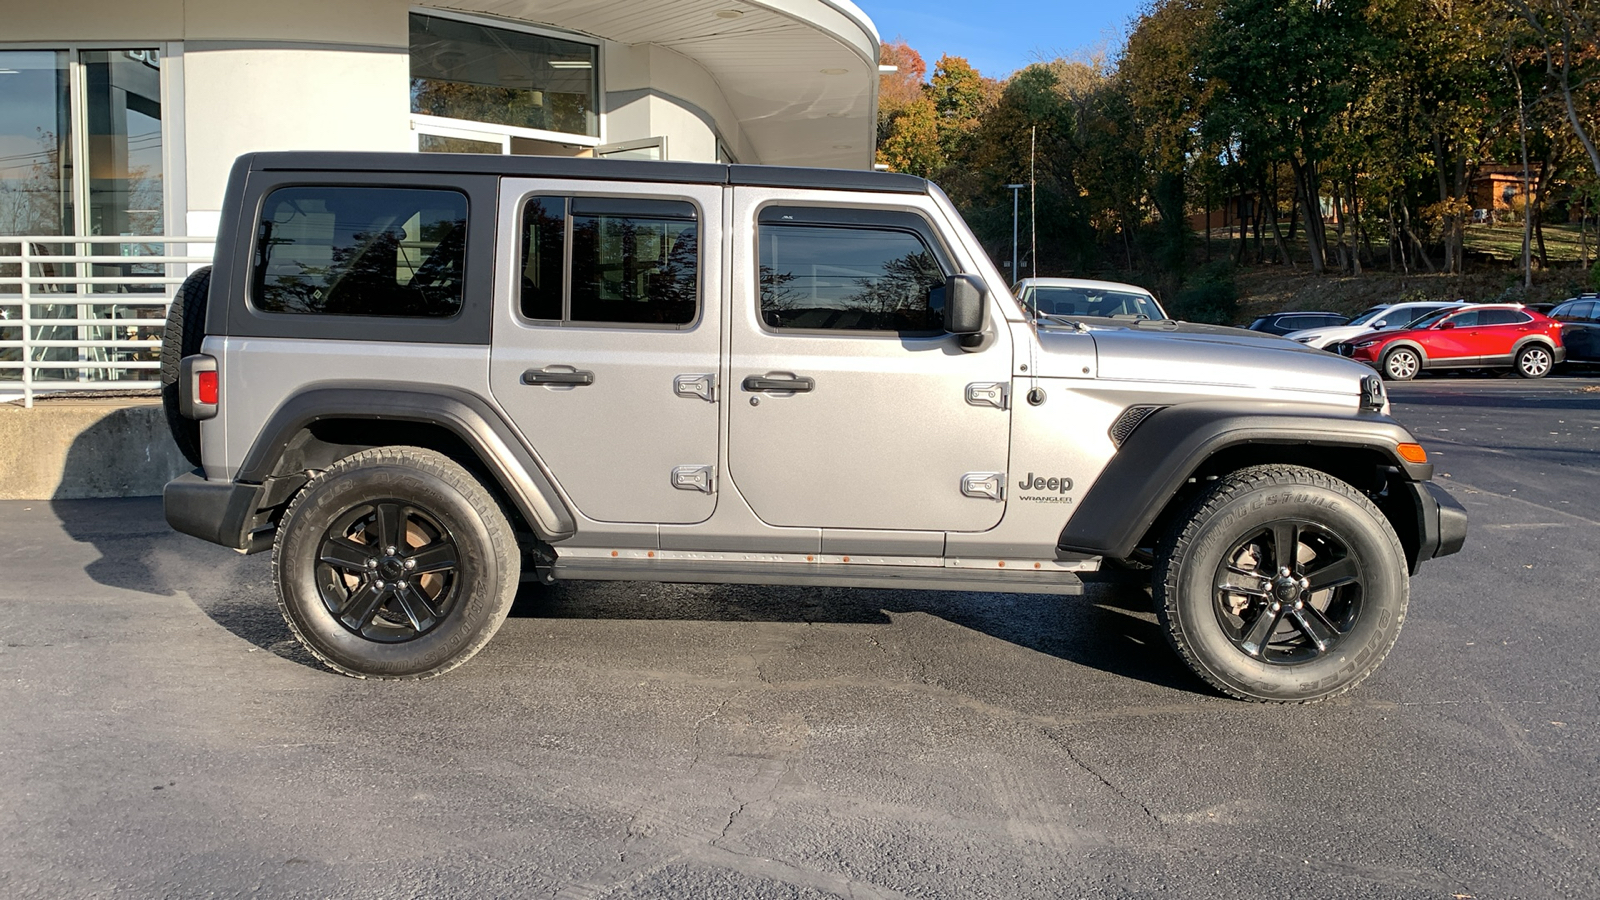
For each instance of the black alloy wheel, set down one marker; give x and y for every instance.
(1289, 593)
(388, 570)
(395, 562)
(1281, 584)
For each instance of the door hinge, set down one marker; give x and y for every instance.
(995, 394)
(990, 485)
(694, 478)
(702, 386)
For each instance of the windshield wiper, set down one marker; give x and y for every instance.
(1063, 320)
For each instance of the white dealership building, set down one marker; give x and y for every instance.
(120, 120)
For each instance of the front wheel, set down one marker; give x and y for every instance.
(395, 563)
(1534, 361)
(1282, 584)
(1401, 364)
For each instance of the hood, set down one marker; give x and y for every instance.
(1187, 353)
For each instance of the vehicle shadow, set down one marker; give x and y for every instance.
(1110, 628)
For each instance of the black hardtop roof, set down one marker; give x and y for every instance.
(570, 167)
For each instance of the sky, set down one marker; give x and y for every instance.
(1001, 36)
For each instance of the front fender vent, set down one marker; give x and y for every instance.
(1128, 421)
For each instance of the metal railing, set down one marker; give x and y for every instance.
(86, 313)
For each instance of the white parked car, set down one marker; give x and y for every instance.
(1379, 318)
(1081, 297)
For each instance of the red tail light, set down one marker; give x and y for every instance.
(206, 388)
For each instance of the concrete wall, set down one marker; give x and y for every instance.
(75, 449)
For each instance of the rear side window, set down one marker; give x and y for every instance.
(1503, 317)
(361, 251)
(631, 262)
(847, 277)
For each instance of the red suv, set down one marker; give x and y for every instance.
(1486, 336)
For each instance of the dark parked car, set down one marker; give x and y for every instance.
(1285, 322)
(1580, 327)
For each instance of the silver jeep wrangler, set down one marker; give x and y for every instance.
(420, 379)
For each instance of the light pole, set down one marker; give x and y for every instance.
(1016, 275)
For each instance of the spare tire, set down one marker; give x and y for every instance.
(186, 328)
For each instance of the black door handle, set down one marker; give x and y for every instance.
(540, 376)
(797, 385)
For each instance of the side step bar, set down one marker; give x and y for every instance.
(855, 575)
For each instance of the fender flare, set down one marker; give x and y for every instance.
(1171, 444)
(1525, 340)
(513, 464)
(1413, 346)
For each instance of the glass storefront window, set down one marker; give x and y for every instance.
(438, 143)
(81, 155)
(123, 89)
(463, 70)
(35, 143)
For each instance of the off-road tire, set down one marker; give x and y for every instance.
(1393, 368)
(1534, 361)
(422, 481)
(1248, 501)
(186, 328)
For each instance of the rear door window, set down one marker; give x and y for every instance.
(361, 251)
(1503, 317)
(631, 261)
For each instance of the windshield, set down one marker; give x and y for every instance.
(1430, 319)
(1416, 321)
(1367, 316)
(1087, 301)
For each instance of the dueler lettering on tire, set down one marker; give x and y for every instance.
(1281, 584)
(395, 563)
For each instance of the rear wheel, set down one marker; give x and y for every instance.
(1282, 584)
(395, 563)
(1401, 364)
(1534, 361)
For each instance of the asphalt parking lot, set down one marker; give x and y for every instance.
(161, 735)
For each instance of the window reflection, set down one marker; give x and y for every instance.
(461, 70)
(35, 143)
(851, 279)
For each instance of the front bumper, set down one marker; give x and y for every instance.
(1441, 522)
(222, 512)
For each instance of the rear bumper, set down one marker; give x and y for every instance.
(1441, 521)
(222, 512)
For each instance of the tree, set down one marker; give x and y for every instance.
(1280, 73)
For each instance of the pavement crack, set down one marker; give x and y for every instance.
(1119, 792)
(729, 825)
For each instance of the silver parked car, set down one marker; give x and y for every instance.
(420, 379)
(1081, 297)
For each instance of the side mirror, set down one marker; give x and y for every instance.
(1446, 326)
(965, 305)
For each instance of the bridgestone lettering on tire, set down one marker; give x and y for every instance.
(395, 563)
(186, 328)
(1281, 584)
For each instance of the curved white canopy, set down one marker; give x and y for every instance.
(801, 76)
